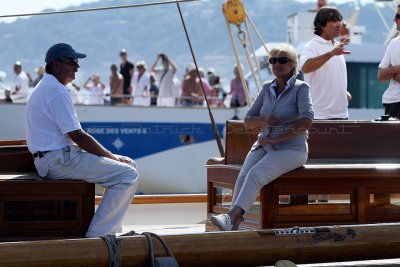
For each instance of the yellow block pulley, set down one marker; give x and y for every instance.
(234, 11)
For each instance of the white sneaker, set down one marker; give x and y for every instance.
(222, 221)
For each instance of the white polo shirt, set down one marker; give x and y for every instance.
(49, 116)
(328, 84)
(391, 58)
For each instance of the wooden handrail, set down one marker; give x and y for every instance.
(12, 142)
(165, 198)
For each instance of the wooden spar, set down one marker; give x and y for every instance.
(242, 248)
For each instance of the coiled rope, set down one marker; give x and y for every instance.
(114, 250)
(114, 247)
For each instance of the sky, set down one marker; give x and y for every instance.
(31, 6)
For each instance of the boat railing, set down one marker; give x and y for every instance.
(133, 100)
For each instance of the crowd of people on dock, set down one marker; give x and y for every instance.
(135, 84)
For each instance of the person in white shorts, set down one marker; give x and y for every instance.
(63, 150)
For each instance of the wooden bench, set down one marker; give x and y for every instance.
(32, 208)
(352, 176)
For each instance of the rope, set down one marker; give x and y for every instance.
(249, 61)
(242, 38)
(258, 34)
(216, 133)
(258, 70)
(114, 250)
(97, 9)
(235, 52)
(169, 261)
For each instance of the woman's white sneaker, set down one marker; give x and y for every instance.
(222, 221)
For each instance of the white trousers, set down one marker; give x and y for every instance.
(119, 179)
(262, 166)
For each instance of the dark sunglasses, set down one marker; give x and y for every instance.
(397, 16)
(70, 61)
(280, 60)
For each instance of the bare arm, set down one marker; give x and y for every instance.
(315, 63)
(89, 144)
(386, 74)
(153, 67)
(85, 85)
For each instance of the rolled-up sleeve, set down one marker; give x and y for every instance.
(304, 102)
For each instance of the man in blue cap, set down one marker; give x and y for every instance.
(63, 150)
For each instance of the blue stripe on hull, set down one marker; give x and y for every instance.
(141, 139)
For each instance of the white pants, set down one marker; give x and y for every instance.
(119, 179)
(262, 166)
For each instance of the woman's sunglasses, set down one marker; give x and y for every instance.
(280, 60)
(397, 16)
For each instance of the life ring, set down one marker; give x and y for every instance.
(234, 11)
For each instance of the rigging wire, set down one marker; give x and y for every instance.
(97, 8)
(235, 14)
(216, 133)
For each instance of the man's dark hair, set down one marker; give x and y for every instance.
(323, 16)
(49, 68)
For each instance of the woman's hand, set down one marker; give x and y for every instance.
(272, 120)
(268, 140)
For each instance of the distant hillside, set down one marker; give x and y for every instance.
(147, 31)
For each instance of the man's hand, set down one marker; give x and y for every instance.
(339, 50)
(124, 159)
(349, 97)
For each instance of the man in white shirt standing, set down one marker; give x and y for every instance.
(324, 66)
(20, 83)
(389, 70)
(63, 150)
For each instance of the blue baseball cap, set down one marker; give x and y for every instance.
(61, 50)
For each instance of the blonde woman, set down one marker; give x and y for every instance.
(283, 109)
